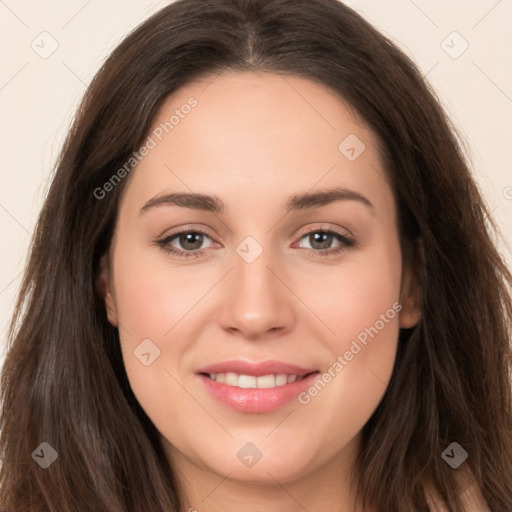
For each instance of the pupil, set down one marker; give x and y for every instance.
(323, 239)
(188, 238)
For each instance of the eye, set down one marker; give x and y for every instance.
(321, 241)
(189, 241)
(186, 243)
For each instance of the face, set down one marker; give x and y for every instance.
(256, 277)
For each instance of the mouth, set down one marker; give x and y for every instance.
(255, 382)
(255, 387)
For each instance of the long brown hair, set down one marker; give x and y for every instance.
(64, 381)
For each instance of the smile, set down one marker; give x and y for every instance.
(253, 382)
(255, 387)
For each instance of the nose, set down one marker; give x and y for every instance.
(257, 302)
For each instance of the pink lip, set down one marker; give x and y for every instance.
(256, 369)
(256, 400)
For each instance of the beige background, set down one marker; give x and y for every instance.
(39, 93)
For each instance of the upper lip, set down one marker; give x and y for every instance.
(256, 369)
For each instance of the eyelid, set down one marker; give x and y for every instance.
(182, 229)
(324, 227)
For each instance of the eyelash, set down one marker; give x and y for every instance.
(345, 243)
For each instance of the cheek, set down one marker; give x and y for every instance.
(360, 303)
(153, 298)
(359, 294)
(152, 303)
(349, 390)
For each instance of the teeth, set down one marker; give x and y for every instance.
(281, 379)
(247, 381)
(231, 379)
(251, 382)
(265, 381)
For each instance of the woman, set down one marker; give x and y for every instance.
(345, 347)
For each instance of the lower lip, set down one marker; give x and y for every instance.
(256, 400)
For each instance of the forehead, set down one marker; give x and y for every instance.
(257, 135)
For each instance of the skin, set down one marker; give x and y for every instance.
(256, 139)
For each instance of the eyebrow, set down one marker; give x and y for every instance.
(297, 202)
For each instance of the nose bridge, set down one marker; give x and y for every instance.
(254, 280)
(257, 301)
